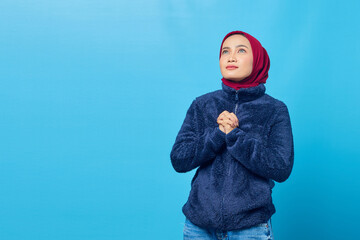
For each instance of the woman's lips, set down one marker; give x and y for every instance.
(231, 67)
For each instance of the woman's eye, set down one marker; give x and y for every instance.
(224, 51)
(242, 50)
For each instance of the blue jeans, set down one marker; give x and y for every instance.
(259, 232)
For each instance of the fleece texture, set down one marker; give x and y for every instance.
(231, 188)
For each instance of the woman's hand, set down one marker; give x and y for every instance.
(227, 121)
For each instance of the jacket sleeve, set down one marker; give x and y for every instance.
(269, 156)
(195, 143)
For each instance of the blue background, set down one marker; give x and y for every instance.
(93, 93)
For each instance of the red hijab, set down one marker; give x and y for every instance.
(261, 64)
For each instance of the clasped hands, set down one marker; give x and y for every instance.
(227, 121)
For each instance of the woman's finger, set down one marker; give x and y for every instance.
(235, 118)
(232, 117)
(223, 115)
(227, 122)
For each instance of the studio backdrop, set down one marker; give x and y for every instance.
(93, 93)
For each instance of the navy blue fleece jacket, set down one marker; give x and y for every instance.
(231, 189)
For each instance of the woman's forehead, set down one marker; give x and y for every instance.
(236, 39)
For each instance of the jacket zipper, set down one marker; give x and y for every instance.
(236, 107)
(223, 197)
(236, 100)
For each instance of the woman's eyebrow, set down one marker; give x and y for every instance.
(236, 46)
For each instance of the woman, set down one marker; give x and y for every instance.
(241, 140)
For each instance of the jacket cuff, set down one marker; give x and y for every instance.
(238, 134)
(233, 136)
(217, 139)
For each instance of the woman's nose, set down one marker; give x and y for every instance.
(232, 58)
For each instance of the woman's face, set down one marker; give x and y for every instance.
(236, 59)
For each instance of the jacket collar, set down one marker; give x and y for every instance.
(244, 94)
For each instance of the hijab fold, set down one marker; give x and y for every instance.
(261, 64)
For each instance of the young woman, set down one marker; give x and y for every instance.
(240, 138)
